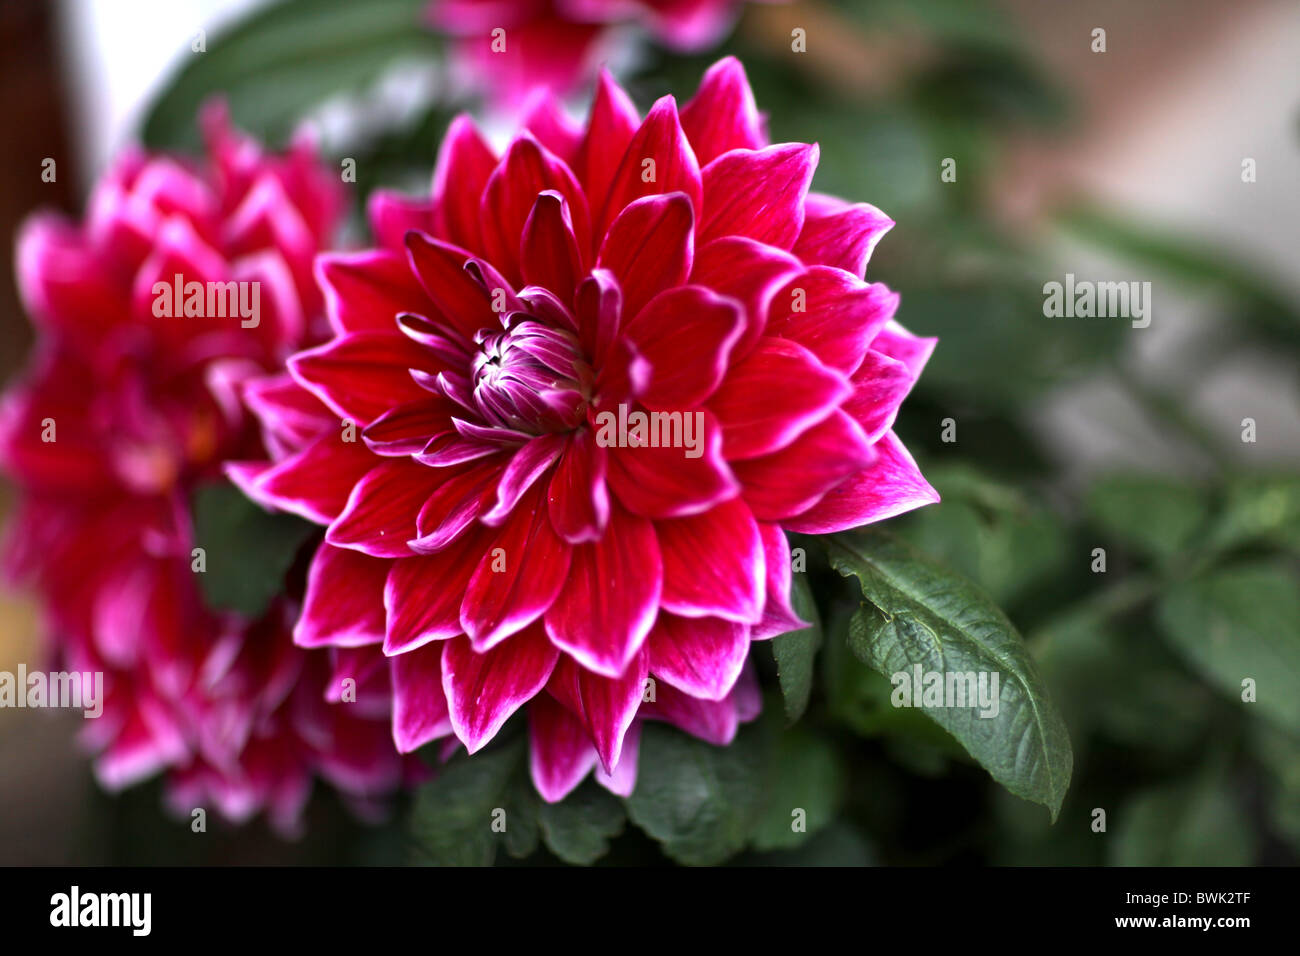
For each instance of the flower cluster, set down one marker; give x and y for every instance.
(572, 403)
(130, 405)
(515, 46)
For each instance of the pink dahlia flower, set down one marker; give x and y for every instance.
(129, 406)
(510, 46)
(496, 519)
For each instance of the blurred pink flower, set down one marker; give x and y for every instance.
(511, 46)
(124, 412)
(491, 520)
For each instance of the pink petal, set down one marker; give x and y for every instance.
(838, 234)
(649, 247)
(758, 193)
(778, 614)
(579, 500)
(483, 690)
(465, 162)
(344, 602)
(316, 482)
(419, 702)
(361, 375)
(392, 215)
(659, 139)
(366, 291)
(527, 170)
(752, 423)
(681, 378)
(604, 705)
(441, 269)
(898, 343)
(560, 750)
(749, 272)
(622, 780)
(839, 317)
(701, 656)
(722, 116)
(380, 515)
(789, 481)
(879, 386)
(526, 466)
(664, 482)
(598, 307)
(713, 564)
(549, 250)
(422, 595)
(464, 496)
(518, 578)
(891, 485)
(614, 121)
(608, 605)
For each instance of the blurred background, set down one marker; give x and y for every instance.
(1071, 434)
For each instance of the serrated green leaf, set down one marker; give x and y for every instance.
(273, 66)
(452, 820)
(796, 652)
(246, 550)
(578, 828)
(1237, 623)
(699, 801)
(1154, 515)
(917, 612)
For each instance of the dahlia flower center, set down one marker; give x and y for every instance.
(531, 378)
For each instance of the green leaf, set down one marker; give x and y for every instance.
(803, 790)
(1259, 508)
(699, 801)
(246, 550)
(840, 844)
(917, 612)
(578, 828)
(1193, 823)
(988, 532)
(452, 820)
(275, 65)
(1154, 515)
(1241, 622)
(796, 651)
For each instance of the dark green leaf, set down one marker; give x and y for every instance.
(1237, 623)
(699, 801)
(840, 844)
(916, 612)
(246, 550)
(796, 651)
(1154, 515)
(1259, 508)
(803, 791)
(284, 59)
(453, 817)
(1194, 823)
(578, 828)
